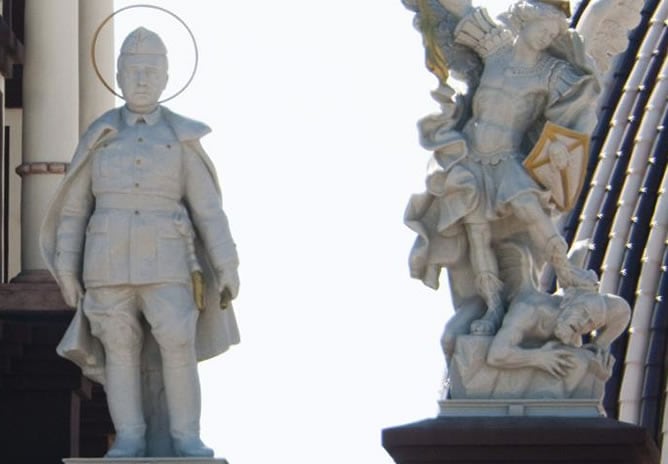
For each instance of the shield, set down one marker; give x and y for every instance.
(564, 184)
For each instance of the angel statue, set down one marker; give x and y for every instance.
(518, 96)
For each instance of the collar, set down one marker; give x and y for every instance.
(131, 118)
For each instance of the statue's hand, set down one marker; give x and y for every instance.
(228, 286)
(559, 155)
(556, 362)
(594, 348)
(457, 7)
(602, 362)
(71, 289)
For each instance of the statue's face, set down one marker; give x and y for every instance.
(573, 322)
(539, 34)
(142, 78)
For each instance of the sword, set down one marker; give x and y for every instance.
(196, 274)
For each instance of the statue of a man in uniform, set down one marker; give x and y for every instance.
(136, 219)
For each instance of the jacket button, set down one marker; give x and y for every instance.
(136, 211)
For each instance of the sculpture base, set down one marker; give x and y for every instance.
(527, 408)
(472, 377)
(145, 461)
(519, 439)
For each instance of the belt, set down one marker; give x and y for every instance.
(135, 202)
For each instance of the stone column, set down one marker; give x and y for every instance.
(50, 113)
(94, 98)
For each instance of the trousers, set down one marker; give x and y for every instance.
(117, 313)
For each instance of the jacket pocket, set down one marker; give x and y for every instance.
(172, 254)
(96, 249)
(165, 161)
(107, 162)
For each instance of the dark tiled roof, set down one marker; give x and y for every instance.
(652, 401)
(624, 214)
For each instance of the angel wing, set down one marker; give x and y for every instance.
(605, 27)
(456, 67)
(443, 56)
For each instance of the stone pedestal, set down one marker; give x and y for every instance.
(145, 461)
(34, 290)
(473, 378)
(519, 439)
(530, 408)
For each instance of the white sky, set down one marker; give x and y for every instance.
(313, 107)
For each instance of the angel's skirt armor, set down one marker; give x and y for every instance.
(508, 105)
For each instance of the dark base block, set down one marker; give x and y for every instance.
(145, 461)
(519, 439)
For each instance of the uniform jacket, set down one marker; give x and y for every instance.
(91, 231)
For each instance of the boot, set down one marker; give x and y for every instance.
(183, 404)
(487, 283)
(489, 287)
(123, 389)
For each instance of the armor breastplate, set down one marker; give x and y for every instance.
(507, 102)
